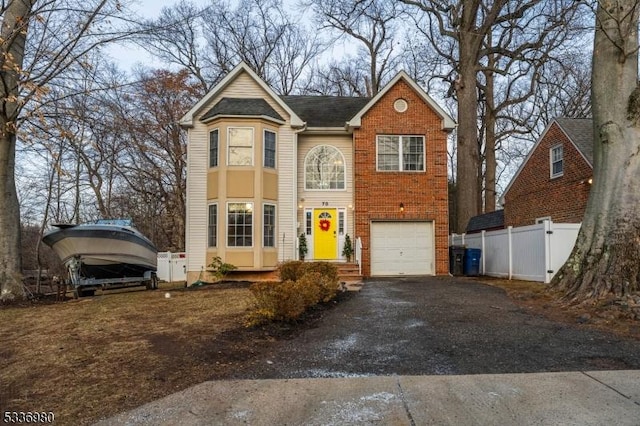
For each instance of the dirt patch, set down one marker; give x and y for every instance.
(619, 315)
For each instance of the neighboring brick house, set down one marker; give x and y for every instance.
(263, 169)
(554, 180)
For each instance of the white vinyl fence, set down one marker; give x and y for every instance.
(172, 266)
(531, 253)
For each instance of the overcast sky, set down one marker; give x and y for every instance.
(128, 57)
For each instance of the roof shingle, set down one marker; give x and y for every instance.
(242, 106)
(580, 131)
(487, 221)
(325, 111)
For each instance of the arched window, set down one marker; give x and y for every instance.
(324, 168)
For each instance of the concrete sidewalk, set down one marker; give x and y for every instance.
(576, 398)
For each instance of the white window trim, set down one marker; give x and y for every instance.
(264, 149)
(253, 220)
(308, 230)
(253, 145)
(400, 162)
(275, 225)
(551, 174)
(217, 225)
(304, 166)
(209, 151)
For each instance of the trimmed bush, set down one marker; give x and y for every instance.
(303, 285)
(326, 269)
(276, 301)
(291, 270)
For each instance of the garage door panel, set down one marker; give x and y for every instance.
(402, 248)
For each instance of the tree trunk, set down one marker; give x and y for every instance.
(468, 163)
(10, 259)
(490, 136)
(13, 35)
(606, 258)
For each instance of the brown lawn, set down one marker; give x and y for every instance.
(94, 357)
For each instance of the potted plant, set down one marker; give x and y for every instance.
(302, 246)
(347, 250)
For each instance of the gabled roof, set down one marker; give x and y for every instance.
(233, 107)
(447, 122)
(579, 131)
(491, 220)
(325, 111)
(187, 119)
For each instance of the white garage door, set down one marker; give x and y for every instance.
(402, 248)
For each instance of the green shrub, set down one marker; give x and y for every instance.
(220, 269)
(291, 270)
(303, 285)
(325, 269)
(276, 301)
(309, 286)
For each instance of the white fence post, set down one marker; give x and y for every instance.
(482, 253)
(510, 251)
(548, 231)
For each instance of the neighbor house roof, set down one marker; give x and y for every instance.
(486, 221)
(325, 111)
(579, 131)
(255, 107)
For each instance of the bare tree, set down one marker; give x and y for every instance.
(494, 51)
(154, 167)
(337, 78)
(210, 41)
(38, 41)
(606, 257)
(371, 24)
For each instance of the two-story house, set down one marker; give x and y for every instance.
(262, 169)
(554, 180)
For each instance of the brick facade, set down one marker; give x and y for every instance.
(534, 194)
(424, 194)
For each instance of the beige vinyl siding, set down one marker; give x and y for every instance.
(196, 223)
(286, 194)
(335, 198)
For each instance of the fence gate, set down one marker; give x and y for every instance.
(172, 266)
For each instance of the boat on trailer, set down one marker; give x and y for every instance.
(106, 253)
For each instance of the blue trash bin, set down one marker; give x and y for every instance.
(472, 262)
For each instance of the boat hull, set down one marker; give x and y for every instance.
(104, 251)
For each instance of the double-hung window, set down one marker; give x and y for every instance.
(269, 149)
(269, 224)
(556, 158)
(240, 143)
(213, 148)
(400, 153)
(213, 225)
(240, 224)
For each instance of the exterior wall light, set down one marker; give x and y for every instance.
(401, 207)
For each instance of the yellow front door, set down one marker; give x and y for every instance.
(325, 234)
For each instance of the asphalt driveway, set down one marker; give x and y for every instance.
(438, 326)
